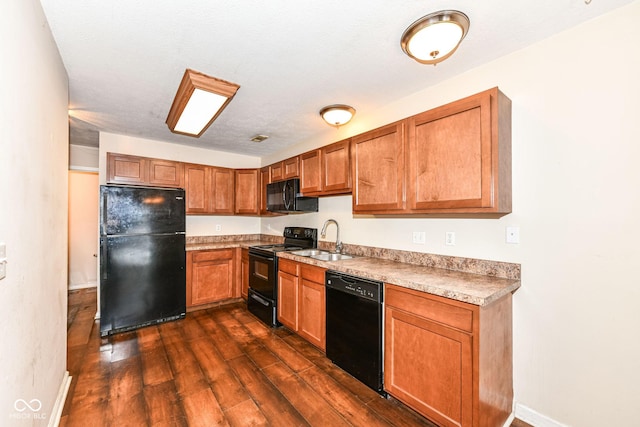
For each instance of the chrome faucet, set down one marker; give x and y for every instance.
(323, 233)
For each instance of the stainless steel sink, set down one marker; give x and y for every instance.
(309, 252)
(331, 257)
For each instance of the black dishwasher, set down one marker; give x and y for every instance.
(354, 327)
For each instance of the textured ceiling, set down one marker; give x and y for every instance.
(125, 59)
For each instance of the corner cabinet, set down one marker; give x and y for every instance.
(211, 276)
(450, 361)
(301, 300)
(247, 194)
(459, 156)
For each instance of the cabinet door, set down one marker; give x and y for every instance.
(211, 276)
(454, 157)
(311, 172)
(429, 367)
(336, 168)
(290, 168)
(197, 180)
(276, 171)
(123, 169)
(246, 189)
(166, 173)
(222, 190)
(378, 170)
(288, 300)
(244, 273)
(311, 313)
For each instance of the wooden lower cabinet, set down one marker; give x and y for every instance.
(244, 273)
(210, 276)
(301, 300)
(448, 360)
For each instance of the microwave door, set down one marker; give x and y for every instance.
(288, 196)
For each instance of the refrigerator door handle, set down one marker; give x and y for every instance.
(103, 258)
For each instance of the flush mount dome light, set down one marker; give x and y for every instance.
(198, 102)
(337, 114)
(434, 38)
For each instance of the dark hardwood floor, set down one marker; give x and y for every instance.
(217, 367)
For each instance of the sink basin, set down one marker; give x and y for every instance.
(331, 257)
(309, 252)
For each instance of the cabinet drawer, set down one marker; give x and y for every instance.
(288, 266)
(313, 274)
(451, 313)
(200, 256)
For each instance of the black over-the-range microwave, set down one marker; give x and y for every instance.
(284, 196)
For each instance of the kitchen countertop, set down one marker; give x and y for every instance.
(477, 289)
(466, 287)
(225, 245)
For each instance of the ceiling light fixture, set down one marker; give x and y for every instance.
(434, 38)
(198, 102)
(337, 114)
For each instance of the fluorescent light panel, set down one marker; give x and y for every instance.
(199, 100)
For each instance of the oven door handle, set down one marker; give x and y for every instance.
(265, 257)
(260, 300)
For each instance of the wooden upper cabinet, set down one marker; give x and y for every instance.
(246, 187)
(311, 172)
(459, 156)
(197, 179)
(265, 178)
(378, 170)
(285, 169)
(327, 170)
(336, 167)
(166, 173)
(291, 167)
(137, 170)
(276, 172)
(124, 169)
(222, 190)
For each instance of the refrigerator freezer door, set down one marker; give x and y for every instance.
(142, 280)
(137, 210)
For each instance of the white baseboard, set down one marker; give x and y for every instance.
(534, 418)
(83, 286)
(58, 406)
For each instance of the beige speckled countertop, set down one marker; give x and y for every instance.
(466, 287)
(477, 282)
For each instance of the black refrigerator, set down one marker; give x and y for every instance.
(142, 257)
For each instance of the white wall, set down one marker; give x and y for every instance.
(197, 225)
(576, 151)
(83, 158)
(33, 214)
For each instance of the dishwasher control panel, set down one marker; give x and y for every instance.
(366, 288)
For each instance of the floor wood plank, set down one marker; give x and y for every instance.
(218, 367)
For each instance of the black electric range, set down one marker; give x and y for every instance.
(263, 271)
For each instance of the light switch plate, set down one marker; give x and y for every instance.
(419, 237)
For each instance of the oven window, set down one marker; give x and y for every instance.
(261, 270)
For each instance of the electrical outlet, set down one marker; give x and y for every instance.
(419, 237)
(512, 235)
(218, 227)
(450, 238)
